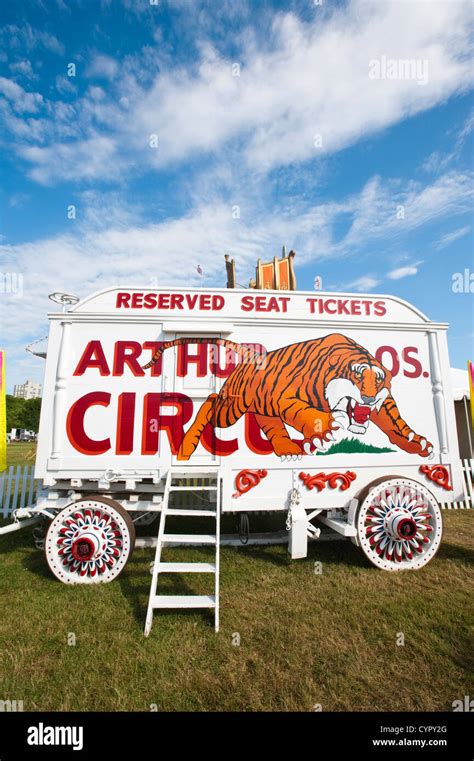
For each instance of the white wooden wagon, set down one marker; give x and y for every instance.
(334, 408)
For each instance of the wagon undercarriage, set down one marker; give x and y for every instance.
(396, 522)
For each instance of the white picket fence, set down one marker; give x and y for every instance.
(18, 488)
(468, 501)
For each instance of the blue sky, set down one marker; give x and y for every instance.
(182, 111)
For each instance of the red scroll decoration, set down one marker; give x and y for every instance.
(319, 480)
(247, 479)
(439, 474)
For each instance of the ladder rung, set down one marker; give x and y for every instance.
(188, 539)
(210, 476)
(198, 513)
(186, 568)
(184, 601)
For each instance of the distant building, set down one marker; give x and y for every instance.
(28, 390)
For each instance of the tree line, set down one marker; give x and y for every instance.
(23, 413)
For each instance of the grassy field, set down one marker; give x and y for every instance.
(306, 639)
(21, 453)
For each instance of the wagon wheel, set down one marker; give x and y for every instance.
(399, 524)
(89, 541)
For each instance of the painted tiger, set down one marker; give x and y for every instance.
(315, 386)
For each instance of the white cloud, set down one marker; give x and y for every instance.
(82, 160)
(300, 80)
(18, 200)
(24, 69)
(26, 38)
(450, 237)
(20, 100)
(111, 245)
(313, 81)
(102, 67)
(364, 283)
(437, 161)
(402, 272)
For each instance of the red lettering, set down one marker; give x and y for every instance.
(412, 362)
(137, 300)
(247, 303)
(394, 356)
(214, 362)
(164, 301)
(123, 300)
(154, 421)
(125, 423)
(126, 353)
(92, 357)
(191, 300)
(326, 306)
(184, 358)
(254, 438)
(153, 346)
(176, 301)
(149, 302)
(213, 444)
(218, 302)
(342, 306)
(75, 424)
(312, 304)
(355, 307)
(380, 308)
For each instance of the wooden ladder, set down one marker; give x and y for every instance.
(156, 601)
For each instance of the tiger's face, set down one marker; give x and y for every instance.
(358, 388)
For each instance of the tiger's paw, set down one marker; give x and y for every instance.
(317, 444)
(419, 445)
(321, 440)
(289, 457)
(288, 450)
(339, 419)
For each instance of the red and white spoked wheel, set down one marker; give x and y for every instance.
(399, 525)
(89, 541)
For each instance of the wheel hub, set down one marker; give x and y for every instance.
(84, 547)
(400, 524)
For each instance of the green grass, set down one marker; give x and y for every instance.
(21, 453)
(305, 638)
(352, 446)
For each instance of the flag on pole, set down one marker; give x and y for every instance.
(470, 372)
(199, 269)
(3, 414)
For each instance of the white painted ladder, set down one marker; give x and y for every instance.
(155, 601)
